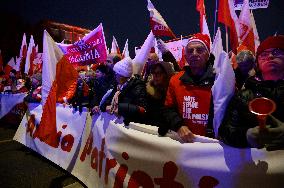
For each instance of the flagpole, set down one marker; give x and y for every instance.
(227, 39)
(215, 20)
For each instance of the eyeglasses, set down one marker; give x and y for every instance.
(276, 52)
(198, 50)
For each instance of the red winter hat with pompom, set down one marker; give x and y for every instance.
(202, 38)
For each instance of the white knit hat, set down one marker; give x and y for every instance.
(124, 67)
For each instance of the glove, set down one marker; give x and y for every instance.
(254, 137)
(161, 46)
(275, 135)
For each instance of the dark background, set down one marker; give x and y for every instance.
(121, 18)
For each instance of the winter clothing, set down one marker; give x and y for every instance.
(124, 67)
(271, 42)
(238, 119)
(189, 102)
(202, 38)
(131, 100)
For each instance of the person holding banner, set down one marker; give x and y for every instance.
(129, 99)
(188, 101)
(240, 127)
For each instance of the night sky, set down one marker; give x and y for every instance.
(124, 18)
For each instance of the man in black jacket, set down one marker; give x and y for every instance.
(240, 127)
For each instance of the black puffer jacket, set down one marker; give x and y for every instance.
(238, 119)
(98, 87)
(132, 96)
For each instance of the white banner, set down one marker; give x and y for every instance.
(70, 126)
(9, 101)
(111, 155)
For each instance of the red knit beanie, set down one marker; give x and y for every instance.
(271, 42)
(203, 38)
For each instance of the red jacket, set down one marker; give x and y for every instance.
(190, 99)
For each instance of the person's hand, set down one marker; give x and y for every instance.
(185, 134)
(275, 135)
(108, 109)
(255, 137)
(95, 110)
(161, 45)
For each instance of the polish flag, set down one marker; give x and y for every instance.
(1, 62)
(157, 23)
(18, 63)
(246, 34)
(224, 85)
(58, 76)
(256, 37)
(114, 46)
(125, 52)
(227, 16)
(31, 54)
(202, 19)
(23, 53)
(10, 65)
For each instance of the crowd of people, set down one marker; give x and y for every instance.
(180, 99)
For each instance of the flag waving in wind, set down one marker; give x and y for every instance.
(200, 7)
(158, 25)
(246, 34)
(23, 53)
(90, 49)
(31, 54)
(227, 16)
(114, 46)
(125, 52)
(58, 75)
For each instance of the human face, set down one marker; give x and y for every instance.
(271, 64)
(99, 74)
(120, 79)
(153, 58)
(196, 56)
(159, 76)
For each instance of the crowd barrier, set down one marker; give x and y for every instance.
(101, 152)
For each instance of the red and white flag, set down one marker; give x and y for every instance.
(90, 49)
(23, 53)
(18, 63)
(125, 52)
(58, 76)
(157, 23)
(256, 37)
(200, 7)
(1, 62)
(114, 46)
(246, 34)
(227, 16)
(31, 54)
(10, 65)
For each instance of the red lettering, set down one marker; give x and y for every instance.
(67, 142)
(208, 182)
(120, 176)
(88, 147)
(110, 163)
(102, 156)
(95, 157)
(169, 173)
(140, 179)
